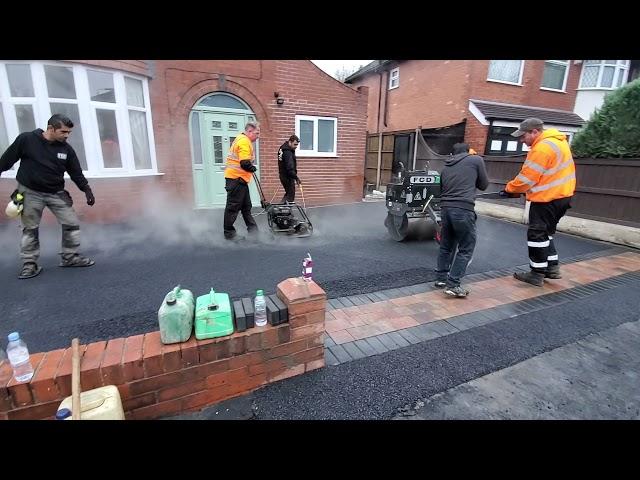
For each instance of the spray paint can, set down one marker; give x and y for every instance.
(307, 268)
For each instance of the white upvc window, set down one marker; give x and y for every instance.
(318, 136)
(555, 75)
(506, 71)
(112, 133)
(394, 78)
(603, 74)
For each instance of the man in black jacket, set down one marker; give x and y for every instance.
(44, 157)
(288, 168)
(460, 177)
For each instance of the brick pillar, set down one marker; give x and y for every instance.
(306, 303)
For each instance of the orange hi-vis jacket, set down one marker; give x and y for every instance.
(241, 149)
(548, 172)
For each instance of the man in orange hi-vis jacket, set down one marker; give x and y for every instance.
(548, 177)
(237, 176)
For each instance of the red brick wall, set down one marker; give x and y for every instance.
(435, 93)
(307, 90)
(176, 86)
(139, 67)
(157, 380)
(475, 134)
(527, 94)
(432, 93)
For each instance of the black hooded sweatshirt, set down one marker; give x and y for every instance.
(43, 163)
(287, 163)
(460, 177)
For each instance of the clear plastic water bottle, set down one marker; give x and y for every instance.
(18, 354)
(260, 307)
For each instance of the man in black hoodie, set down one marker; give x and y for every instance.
(460, 177)
(44, 159)
(288, 168)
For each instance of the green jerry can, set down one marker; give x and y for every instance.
(175, 316)
(213, 315)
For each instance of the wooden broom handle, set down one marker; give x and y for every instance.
(75, 380)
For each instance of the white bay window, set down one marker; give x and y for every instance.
(112, 134)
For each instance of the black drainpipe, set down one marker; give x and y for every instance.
(386, 99)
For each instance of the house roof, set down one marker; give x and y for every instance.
(520, 112)
(370, 68)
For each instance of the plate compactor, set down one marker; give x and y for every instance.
(415, 195)
(286, 218)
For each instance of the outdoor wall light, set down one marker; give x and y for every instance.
(279, 100)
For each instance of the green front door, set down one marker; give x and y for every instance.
(217, 131)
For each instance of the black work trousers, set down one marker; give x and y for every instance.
(458, 231)
(543, 220)
(289, 185)
(238, 200)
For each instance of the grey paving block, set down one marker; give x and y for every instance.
(399, 339)
(443, 327)
(393, 293)
(366, 348)
(406, 291)
(425, 332)
(330, 358)
(328, 341)
(509, 309)
(340, 353)
(571, 294)
(377, 345)
(355, 300)
(539, 303)
(420, 288)
(408, 336)
(334, 303)
(372, 297)
(581, 292)
(387, 341)
(466, 321)
(364, 299)
(381, 296)
(345, 302)
(492, 315)
(353, 350)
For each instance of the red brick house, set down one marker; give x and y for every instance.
(479, 101)
(143, 127)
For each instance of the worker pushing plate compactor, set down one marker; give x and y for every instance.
(282, 218)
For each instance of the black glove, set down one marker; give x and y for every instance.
(247, 166)
(505, 194)
(89, 194)
(298, 181)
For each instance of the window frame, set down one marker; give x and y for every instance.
(314, 152)
(566, 63)
(621, 68)
(392, 78)
(518, 84)
(87, 114)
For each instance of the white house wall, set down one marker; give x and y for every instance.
(587, 101)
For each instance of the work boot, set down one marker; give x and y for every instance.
(234, 238)
(29, 269)
(75, 260)
(553, 272)
(534, 278)
(458, 291)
